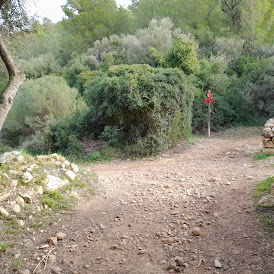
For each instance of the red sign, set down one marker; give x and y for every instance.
(209, 94)
(209, 100)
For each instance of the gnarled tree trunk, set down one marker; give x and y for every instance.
(16, 78)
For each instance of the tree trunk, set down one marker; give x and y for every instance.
(16, 78)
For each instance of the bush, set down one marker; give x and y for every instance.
(149, 108)
(183, 55)
(39, 103)
(40, 66)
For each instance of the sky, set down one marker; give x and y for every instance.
(52, 8)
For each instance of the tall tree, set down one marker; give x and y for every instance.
(13, 16)
(233, 10)
(258, 22)
(90, 20)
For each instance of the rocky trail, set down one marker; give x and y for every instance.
(191, 211)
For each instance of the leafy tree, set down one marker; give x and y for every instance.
(39, 103)
(258, 22)
(90, 20)
(13, 15)
(233, 10)
(183, 55)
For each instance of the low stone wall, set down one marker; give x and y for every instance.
(268, 136)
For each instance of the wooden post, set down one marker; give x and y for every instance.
(208, 119)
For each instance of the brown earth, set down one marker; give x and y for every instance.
(142, 220)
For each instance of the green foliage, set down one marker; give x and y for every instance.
(136, 105)
(264, 187)
(39, 103)
(57, 201)
(40, 66)
(5, 246)
(257, 80)
(262, 156)
(183, 55)
(90, 20)
(66, 133)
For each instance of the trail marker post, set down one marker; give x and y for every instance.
(209, 100)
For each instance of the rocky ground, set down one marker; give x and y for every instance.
(190, 210)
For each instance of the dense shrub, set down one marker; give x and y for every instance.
(183, 55)
(40, 66)
(138, 105)
(39, 103)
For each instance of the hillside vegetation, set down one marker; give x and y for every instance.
(134, 79)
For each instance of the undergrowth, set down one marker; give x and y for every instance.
(262, 156)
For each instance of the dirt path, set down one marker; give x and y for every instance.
(143, 220)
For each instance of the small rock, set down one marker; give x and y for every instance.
(25, 271)
(102, 226)
(21, 222)
(217, 264)
(70, 174)
(16, 208)
(74, 167)
(52, 240)
(20, 200)
(61, 235)
(196, 231)
(26, 198)
(39, 190)
(58, 163)
(66, 163)
(44, 246)
(4, 212)
(27, 176)
(14, 183)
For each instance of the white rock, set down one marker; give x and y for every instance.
(9, 156)
(27, 176)
(53, 183)
(14, 183)
(74, 194)
(4, 212)
(20, 200)
(39, 190)
(58, 163)
(21, 222)
(4, 196)
(74, 167)
(267, 132)
(16, 208)
(217, 264)
(67, 163)
(70, 174)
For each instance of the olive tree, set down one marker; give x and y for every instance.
(12, 17)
